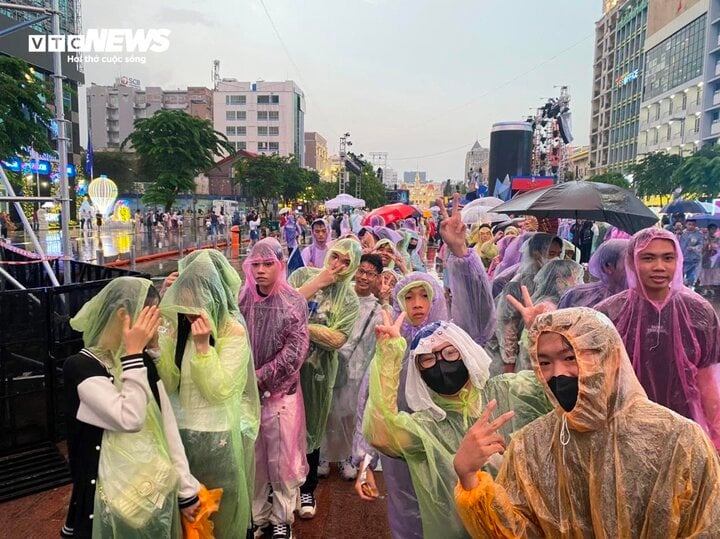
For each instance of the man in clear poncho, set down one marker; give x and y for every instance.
(276, 316)
(333, 307)
(536, 252)
(354, 358)
(672, 335)
(314, 254)
(607, 265)
(122, 433)
(206, 365)
(447, 374)
(607, 462)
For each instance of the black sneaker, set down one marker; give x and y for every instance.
(282, 531)
(307, 505)
(259, 531)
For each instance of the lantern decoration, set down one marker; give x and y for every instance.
(122, 211)
(103, 193)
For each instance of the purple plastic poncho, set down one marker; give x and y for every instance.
(502, 245)
(291, 231)
(674, 346)
(314, 254)
(385, 233)
(277, 324)
(611, 253)
(513, 252)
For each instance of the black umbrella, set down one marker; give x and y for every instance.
(682, 205)
(584, 200)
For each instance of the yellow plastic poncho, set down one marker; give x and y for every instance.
(137, 485)
(333, 313)
(428, 438)
(215, 394)
(617, 465)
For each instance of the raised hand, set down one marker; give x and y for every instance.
(527, 309)
(479, 444)
(389, 329)
(452, 229)
(200, 329)
(136, 336)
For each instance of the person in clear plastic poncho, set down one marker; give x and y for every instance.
(314, 254)
(447, 374)
(672, 335)
(122, 434)
(206, 365)
(334, 309)
(276, 316)
(607, 462)
(607, 265)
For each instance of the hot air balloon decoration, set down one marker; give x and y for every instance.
(103, 193)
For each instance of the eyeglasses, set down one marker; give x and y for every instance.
(427, 361)
(370, 274)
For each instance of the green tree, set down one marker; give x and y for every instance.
(654, 175)
(612, 178)
(261, 177)
(698, 174)
(124, 168)
(175, 147)
(372, 190)
(24, 116)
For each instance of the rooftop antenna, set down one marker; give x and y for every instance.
(216, 73)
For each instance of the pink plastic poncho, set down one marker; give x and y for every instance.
(674, 346)
(314, 254)
(277, 324)
(612, 253)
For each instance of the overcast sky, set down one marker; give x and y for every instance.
(419, 79)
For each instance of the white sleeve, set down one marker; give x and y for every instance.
(121, 410)
(189, 486)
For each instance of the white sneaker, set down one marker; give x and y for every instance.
(323, 469)
(347, 471)
(282, 531)
(307, 506)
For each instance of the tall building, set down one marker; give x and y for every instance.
(579, 162)
(112, 110)
(478, 158)
(617, 84)
(710, 114)
(672, 107)
(410, 176)
(316, 154)
(15, 44)
(262, 117)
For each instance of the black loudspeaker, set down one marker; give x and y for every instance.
(510, 151)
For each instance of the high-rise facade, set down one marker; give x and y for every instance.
(617, 84)
(112, 110)
(316, 154)
(710, 114)
(261, 117)
(478, 158)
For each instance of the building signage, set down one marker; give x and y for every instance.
(14, 164)
(626, 78)
(130, 82)
(632, 12)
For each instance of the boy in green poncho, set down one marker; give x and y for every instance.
(333, 310)
(206, 365)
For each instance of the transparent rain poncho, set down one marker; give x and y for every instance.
(502, 245)
(333, 313)
(509, 320)
(674, 346)
(314, 254)
(416, 263)
(513, 252)
(214, 394)
(611, 253)
(384, 244)
(617, 465)
(136, 493)
(277, 324)
(429, 437)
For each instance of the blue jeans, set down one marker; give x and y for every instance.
(691, 271)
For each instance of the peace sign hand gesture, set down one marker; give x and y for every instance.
(389, 329)
(527, 309)
(479, 444)
(452, 229)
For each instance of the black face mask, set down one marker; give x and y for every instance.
(565, 389)
(412, 247)
(446, 377)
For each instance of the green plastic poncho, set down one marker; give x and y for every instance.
(136, 495)
(333, 313)
(429, 437)
(214, 395)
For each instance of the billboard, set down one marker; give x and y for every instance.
(398, 195)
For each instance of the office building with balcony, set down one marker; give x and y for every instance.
(316, 155)
(261, 117)
(675, 104)
(112, 110)
(710, 114)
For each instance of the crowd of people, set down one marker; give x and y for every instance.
(561, 379)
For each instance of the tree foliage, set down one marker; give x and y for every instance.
(655, 174)
(699, 174)
(612, 178)
(175, 148)
(24, 116)
(124, 168)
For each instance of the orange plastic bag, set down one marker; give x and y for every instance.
(202, 527)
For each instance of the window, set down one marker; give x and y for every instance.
(234, 99)
(262, 116)
(240, 145)
(230, 130)
(262, 131)
(230, 115)
(274, 131)
(241, 130)
(684, 101)
(262, 146)
(268, 99)
(274, 146)
(697, 124)
(241, 115)
(274, 115)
